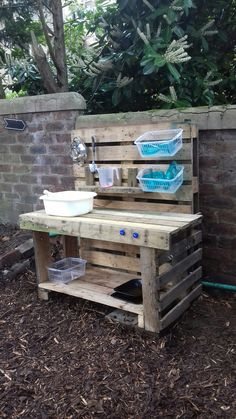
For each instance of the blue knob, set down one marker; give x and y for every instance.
(135, 235)
(122, 232)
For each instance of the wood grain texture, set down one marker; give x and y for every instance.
(70, 245)
(149, 288)
(180, 308)
(175, 292)
(180, 267)
(42, 253)
(97, 286)
(115, 147)
(125, 133)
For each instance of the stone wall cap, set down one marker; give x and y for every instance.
(205, 117)
(43, 103)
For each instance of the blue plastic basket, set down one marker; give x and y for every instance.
(159, 143)
(160, 185)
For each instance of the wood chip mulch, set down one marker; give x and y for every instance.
(64, 359)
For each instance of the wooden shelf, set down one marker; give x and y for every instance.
(97, 286)
(183, 193)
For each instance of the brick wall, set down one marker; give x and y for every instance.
(36, 158)
(218, 201)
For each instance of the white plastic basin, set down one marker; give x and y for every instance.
(68, 203)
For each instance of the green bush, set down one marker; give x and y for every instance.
(159, 54)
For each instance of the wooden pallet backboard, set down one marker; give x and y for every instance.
(115, 147)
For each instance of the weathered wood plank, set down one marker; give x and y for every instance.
(89, 177)
(141, 205)
(132, 180)
(178, 248)
(150, 218)
(180, 267)
(175, 292)
(130, 152)
(70, 245)
(91, 291)
(79, 171)
(149, 289)
(125, 133)
(118, 247)
(150, 235)
(111, 260)
(180, 308)
(185, 193)
(42, 253)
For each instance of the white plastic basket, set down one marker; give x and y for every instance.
(159, 143)
(160, 185)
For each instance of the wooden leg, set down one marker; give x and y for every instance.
(42, 255)
(140, 321)
(150, 290)
(43, 294)
(70, 244)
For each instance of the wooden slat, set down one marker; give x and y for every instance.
(178, 248)
(140, 205)
(149, 288)
(175, 292)
(176, 220)
(180, 267)
(132, 180)
(150, 235)
(70, 245)
(184, 193)
(180, 308)
(89, 177)
(118, 247)
(126, 133)
(130, 152)
(112, 260)
(88, 289)
(79, 171)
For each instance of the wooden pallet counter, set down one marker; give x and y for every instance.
(165, 252)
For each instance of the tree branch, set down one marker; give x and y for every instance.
(45, 71)
(2, 93)
(59, 44)
(46, 34)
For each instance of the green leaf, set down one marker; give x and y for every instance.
(173, 71)
(148, 68)
(146, 61)
(116, 97)
(204, 44)
(178, 31)
(160, 61)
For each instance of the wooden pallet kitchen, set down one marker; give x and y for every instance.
(163, 248)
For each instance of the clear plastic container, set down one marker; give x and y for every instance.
(106, 176)
(66, 270)
(159, 143)
(160, 185)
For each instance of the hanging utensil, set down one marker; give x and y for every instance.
(78, 151)
(93, 166)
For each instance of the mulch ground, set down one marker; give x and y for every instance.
(64, 359)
